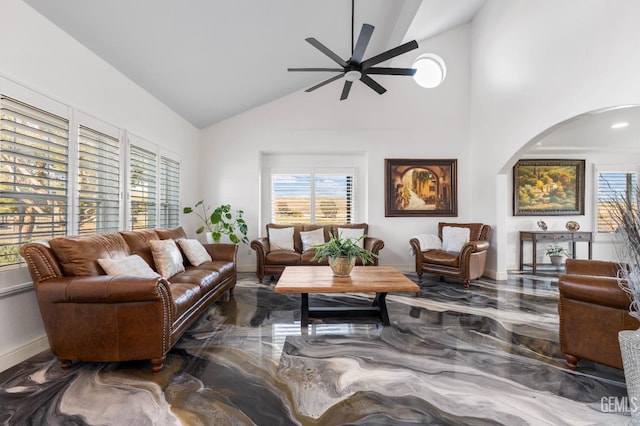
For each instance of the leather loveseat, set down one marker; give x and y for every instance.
(272, 260)
(90, 316)
(592, 309)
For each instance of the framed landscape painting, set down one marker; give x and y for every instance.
(420, 187)
(548, 187)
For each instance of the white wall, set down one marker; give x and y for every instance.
(405, 122)
(535, 64)
(37, 54)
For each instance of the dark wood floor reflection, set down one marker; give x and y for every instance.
(486, 355)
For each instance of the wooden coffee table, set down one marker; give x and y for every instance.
(364, 279)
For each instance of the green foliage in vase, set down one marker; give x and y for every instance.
(338, 246)
(555, 250)
(221, 222)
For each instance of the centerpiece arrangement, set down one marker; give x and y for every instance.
(221, 222)
(342, 254)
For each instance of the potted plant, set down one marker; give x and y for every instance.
(221, 222)
(342, 253)
(556, 254)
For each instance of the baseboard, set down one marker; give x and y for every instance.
(16, 356)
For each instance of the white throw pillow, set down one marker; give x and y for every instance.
(281, 238)
(167, 257)
(131, 265)
(428, 242)
(311, 238)
(352, 233)
(454, 237)
(195, 251)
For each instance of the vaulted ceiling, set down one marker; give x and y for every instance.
(212, 59)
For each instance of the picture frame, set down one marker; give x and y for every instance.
(548, 187)
(421, 187)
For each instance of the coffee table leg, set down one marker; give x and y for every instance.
(304, 310)
(381, 303)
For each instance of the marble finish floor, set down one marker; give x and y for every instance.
(484, 356)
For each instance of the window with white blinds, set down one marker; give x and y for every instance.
(169, 193)
(612, 186)
(321, 198)
(34, 155)
(98, 182)
(143, 188)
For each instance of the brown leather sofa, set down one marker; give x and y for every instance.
(90, 316)
(273, 262)
(592, 309)
(467, 264)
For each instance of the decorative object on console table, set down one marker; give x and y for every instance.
(420, 187)
(624, 211)
(342, 253)
(542, 225)
(572, 226)
(220, 222)
(548, 187)
(556, 254)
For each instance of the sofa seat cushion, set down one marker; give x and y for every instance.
(305, 258)
(441, 257)
(205, 279)
(79, 256)
(225, 268)
(184, 297)
(283, 257)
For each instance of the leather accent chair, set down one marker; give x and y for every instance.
(467, 264)
(272, 262)
(592, 310)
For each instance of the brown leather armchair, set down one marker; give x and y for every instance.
(592, 309)
(467, 264)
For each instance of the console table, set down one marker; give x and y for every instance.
(551, 237)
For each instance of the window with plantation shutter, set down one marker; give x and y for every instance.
(98, 182)
(612, 185)
(143, 188)
(322, 198)
(169, 193)
(34, 154)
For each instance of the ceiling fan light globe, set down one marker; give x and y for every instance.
(352, 75)
(431, 70)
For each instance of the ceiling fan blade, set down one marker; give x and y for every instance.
(391, 53)
(345, 90)
(324, 49)
(372, 83)
(362, 43)
(317, 69)
(391, 71)
(334, 78)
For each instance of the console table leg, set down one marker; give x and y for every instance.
(304, 310)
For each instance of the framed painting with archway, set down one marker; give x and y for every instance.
(416, 187)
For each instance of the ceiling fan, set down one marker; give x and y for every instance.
(355, 68)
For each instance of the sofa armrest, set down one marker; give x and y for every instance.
(222, 251)
(102, 289)
(261, 246)
(41, 262)
(598, 268)
(604, 291)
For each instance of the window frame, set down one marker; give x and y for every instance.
(599, 169)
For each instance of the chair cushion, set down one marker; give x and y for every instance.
(138, 242)
(453, 238)
(283, 257)
(204, 278)
(440, 257)
(167, 257)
